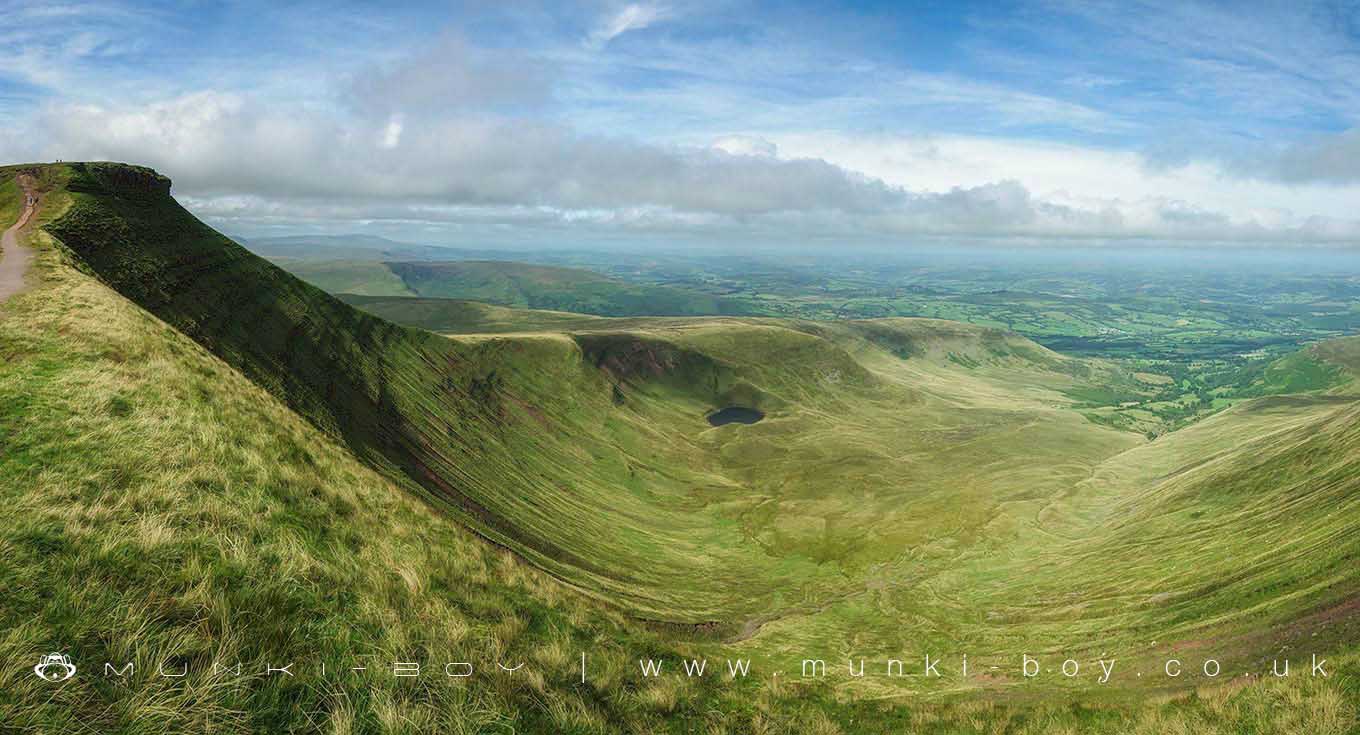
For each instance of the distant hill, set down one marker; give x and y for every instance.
(347, 247)
(365, 265)
(508, 283)
(555, 288)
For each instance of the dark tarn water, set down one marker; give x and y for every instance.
(735, 415)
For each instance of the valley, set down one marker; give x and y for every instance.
(1200, 336)
(913, 486)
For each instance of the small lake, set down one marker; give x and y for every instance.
(735, 415)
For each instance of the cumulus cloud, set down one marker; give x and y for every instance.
(219, 143)
(235, 160)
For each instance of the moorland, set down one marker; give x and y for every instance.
(207, 458)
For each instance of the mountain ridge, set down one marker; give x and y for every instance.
(864, 419)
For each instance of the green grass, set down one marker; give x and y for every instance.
(359, 277)
(11, 202)
(523, 437)
(453, 316)
(163, 508)
(207, 457)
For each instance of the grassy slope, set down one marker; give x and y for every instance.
(523, 436)
(1341, 353)
(360, 277)
(1065, 543)
(11, 202)
(163, 507)
(455, 316)
(87, 357)
(1250, 553)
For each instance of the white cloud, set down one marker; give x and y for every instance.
(250, 162)
(391, 135)
(631, 17)
(745, 145)
(1149, 199)
(454, 135)
(219, 143)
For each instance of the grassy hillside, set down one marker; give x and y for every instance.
(212, 458)
(458, 316)
(1290, 588)
(529, 438)
(164, 509)
(359, 277)
(1342, 357)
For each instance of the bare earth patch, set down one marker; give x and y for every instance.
(14, 257)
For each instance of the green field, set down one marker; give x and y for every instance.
(210, 458)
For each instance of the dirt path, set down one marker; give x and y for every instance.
(14, 257)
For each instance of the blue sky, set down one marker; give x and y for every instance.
(726, 122)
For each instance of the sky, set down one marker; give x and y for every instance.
(719, 123)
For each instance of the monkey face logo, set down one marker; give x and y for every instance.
(55, 667)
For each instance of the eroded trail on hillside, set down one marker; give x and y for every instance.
(14, 256)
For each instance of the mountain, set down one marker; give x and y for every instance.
(209, 459)
(497, 430)
(346, 247)
(166, 511)
(357, 277)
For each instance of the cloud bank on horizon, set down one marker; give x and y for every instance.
(724, 122)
